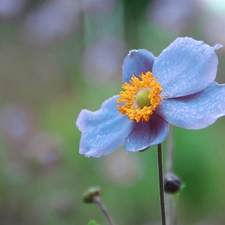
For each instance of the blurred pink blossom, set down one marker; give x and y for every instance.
(98, 6)
(62, 203)
(52, 20)
(122, 169)
(11, 8)
(173, 15)
(17, 123)
(103, 59)
(44, 149)
(214, 29)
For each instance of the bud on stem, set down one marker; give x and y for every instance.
(172, 183)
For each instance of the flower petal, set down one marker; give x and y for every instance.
(186, 67)
(137, 62)
(146, 134)
(196, 111)
(103, 131)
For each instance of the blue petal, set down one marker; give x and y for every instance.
(103, 131)
(186, 67)
(146, 134)
(137, 62)
(196, 111)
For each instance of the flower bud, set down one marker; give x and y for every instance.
(172, 183)
(90, 193)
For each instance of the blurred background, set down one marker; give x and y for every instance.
(57, 57)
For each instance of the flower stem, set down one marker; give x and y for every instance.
(169, 210)
(161, 191)
(99, 203)
(169, 150)
(171, 201)
(175, 211)
(169, 168)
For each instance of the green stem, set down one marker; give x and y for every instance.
(100, 204)
(161, 190)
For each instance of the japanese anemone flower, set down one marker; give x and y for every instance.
(177, 88)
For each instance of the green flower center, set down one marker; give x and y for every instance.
(142, 99)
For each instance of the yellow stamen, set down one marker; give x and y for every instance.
(140, 97)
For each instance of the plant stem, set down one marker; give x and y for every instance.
(169, 150)
(171, 201)
(161, 191)
(175, 211)
(169, 168)
(169, 209)
(100, 204)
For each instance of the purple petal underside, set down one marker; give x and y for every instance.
(103, 131)
(137, 62)
(186, 67)
(146, 134)
(196, 111)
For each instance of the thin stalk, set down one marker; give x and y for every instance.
(169, 210)
(169, 168)
(171, 202)
(161, 191)
(169, 151)
(175, 211)
(100, 204)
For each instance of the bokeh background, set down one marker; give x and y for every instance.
(59, 56)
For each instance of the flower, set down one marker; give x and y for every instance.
(177, 88)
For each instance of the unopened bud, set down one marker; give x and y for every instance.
(90, 193)
(172, 183)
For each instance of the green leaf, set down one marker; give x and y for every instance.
(92, 222)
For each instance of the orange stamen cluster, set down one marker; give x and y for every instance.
(127, 101)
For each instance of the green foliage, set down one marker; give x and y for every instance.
(92, 222)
